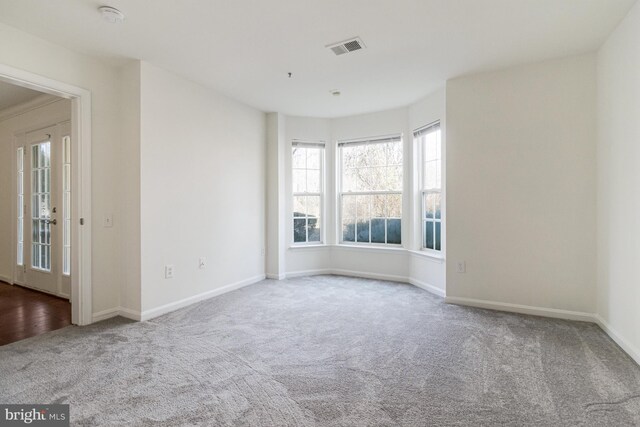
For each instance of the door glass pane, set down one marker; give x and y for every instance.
(66, 205)
(20, 207)
(41, 206)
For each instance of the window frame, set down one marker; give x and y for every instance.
(424, 191)
(340, 193)
(322, 146)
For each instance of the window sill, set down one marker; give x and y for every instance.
(371, 248)
(308, 246)
(429, 255)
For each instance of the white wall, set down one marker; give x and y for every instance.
(521, 196)
(202, 185)
(619, 183)
(43, 112)
(24, 51)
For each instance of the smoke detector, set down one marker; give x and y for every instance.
(111, 14)
(346, 46)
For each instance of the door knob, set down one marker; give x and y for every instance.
(51, 221)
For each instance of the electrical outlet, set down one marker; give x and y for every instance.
(202, 263)
(108, 220)
(168, 271)
(461, 267)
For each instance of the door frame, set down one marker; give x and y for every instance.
(81, 309)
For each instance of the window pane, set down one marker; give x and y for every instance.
(348, 206)
(314, 229)
(378, 206)
(298, 158)
(394, 231)
(313, 158)
(34, 156)
(299, 180)
(438, 233)
(363, 207)
(378, 228)
(313, 181)
(362, 230)
(428, 233)
(349, 230)
(299, 206)
(299, 230)
(313, 206)
(394, 206)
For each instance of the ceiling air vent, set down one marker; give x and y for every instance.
(347, 46)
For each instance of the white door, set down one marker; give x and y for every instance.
(46, 223)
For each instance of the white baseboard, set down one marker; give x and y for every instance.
(113, 312)
(105, 314)
(274, 276)
(302, 273)
(427, 287)
(351, 273)
(523, 309)
(167, 308)
(129, 313)
(633, 352)
(367, 275)
(6, 279)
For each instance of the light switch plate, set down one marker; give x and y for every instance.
(202, 263)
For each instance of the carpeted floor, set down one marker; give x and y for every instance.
(328, 351)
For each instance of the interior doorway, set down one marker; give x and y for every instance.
(51, 251)
(35, 264)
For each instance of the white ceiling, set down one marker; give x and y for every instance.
(245, 48)
(11, 95)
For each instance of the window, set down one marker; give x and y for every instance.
(20, 206)
(371, 191)
(307, 166)
(429, 139)
(66, 205)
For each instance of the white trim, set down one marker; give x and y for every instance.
(113, 312)
(7, 280)
(33, 104)
(367, 275)
(274, 276)
(427, 255)
(303, 273)
(159, 311)
(129, 314)
(81, 312)
(105, 314)
(523, 309)
(309, 246)
(371, 247)
(427, 287)
(627, 347)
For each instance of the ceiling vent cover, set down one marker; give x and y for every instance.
(347, 46)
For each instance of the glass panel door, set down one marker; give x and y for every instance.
(41, 206)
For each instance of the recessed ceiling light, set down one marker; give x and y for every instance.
(111, 14)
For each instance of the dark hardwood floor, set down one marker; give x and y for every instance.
(25, 313)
